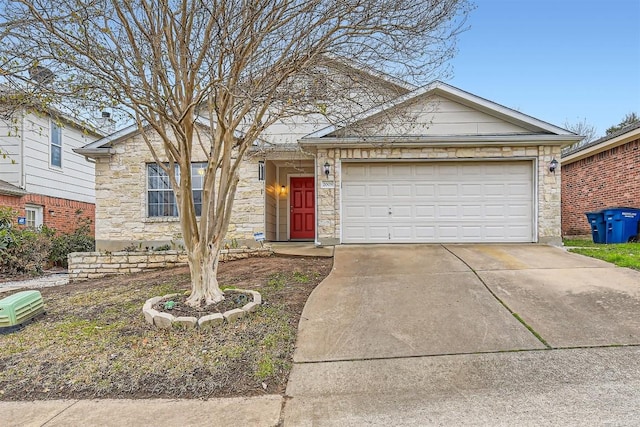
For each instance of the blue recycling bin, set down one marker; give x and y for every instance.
(622, 225)
(598, 226)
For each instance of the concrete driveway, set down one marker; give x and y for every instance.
(394, 327)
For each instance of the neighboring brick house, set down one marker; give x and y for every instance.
(40, 175)
(434, 164)
(603, 173)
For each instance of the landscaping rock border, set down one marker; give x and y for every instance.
(164, 320)
(93, 265)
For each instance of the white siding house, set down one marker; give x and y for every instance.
(49, 177)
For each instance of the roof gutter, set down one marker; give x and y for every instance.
(439, 141)
(590, 150)
(94, 153)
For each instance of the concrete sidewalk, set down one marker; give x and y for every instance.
(250, 411)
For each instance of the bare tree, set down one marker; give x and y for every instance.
(582, 128)
(237, 63)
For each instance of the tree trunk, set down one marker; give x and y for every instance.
(203, 263)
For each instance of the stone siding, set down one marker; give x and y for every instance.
(91, 265)
(548, 183)
(121, 201)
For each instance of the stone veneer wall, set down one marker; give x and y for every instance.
(548, 203)
(121, 201)
(92, 265)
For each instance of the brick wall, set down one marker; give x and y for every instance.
(607, 179)
(57, 213)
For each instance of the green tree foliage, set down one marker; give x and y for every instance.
(629, 119)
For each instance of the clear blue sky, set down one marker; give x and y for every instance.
(556, 60)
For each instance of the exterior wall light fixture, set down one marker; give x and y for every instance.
(261, 170)
(553, 166)
(327, 169)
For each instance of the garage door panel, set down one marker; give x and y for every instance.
(354, 212)
(438, 202)
(425, 212)
(472, 211)
(401, 232)
(377, 212)
(355, 190)
(380, 232)
(378, 190)
(493, 190)
(425, 233)
(447, 212)
(401, 190)
(402, 212)
(425, 190)
(471, 232)
(523, 190)
(447, 190)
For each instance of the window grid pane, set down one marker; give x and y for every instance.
(31, 218)
(56, 145)
(161, 201)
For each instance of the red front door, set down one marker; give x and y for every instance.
(303, 208)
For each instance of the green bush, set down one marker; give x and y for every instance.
(28, 250)
(22, 250)
(79, 240)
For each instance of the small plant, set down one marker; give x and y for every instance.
(301, 277)
(166, 247)
(276, 282)
(130, 248)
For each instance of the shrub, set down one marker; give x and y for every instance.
(28, 250)
(22, 250)
(79, 240)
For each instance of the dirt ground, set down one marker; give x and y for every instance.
(93, 342)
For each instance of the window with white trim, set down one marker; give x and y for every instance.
(56, 145)
(161, 201)
(33, 215)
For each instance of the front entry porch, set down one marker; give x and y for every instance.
(290, 200)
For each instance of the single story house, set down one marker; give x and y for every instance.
(433, 164)
(601, 174)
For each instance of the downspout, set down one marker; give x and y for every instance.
(23, 179)
(317, 182)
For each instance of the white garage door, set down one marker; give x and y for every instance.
(437, 202)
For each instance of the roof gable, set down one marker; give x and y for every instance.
(440, 109)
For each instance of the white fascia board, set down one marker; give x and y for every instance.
(131, 130)
(116, 136)
(605, 145)
(441, 141)
(94, 152)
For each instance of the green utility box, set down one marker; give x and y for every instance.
(20, 308)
